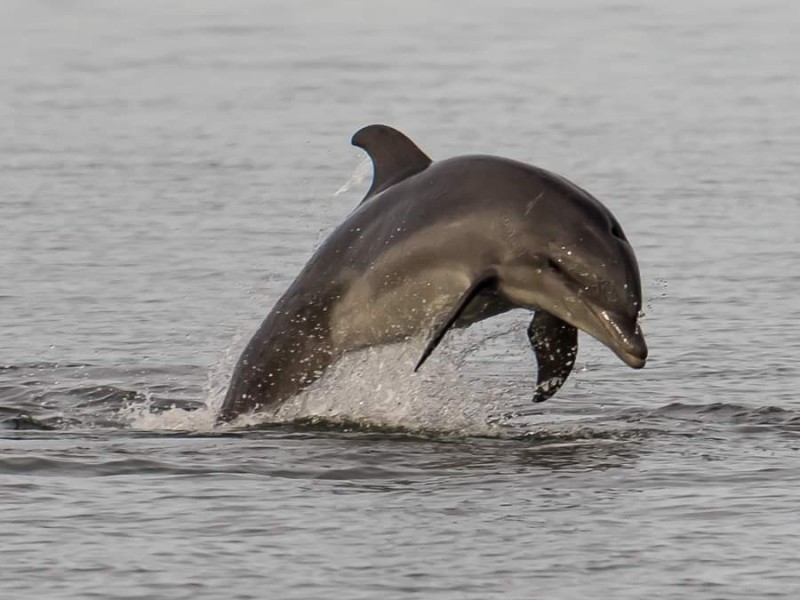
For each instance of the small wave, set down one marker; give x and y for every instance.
(79, 395)
(725, 412)
(36, 366)
(317, 424)
(743, 419)
(41, 465)
(583, 433)
(24, 422)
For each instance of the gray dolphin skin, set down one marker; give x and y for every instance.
(444, 244)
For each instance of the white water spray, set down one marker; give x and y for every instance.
(360, 175)
(377, 387)
(373, 388)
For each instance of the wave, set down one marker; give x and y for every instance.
(368, 392)
(86, 466)
(25, 422)
(717, 413)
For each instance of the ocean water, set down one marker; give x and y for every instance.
(166, 168)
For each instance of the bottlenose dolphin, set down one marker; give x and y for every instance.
(444, 244)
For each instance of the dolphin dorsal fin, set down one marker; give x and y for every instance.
(394, 156)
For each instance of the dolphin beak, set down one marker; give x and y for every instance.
(626, 340)
(637, 357)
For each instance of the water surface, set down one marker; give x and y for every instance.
(167, 168)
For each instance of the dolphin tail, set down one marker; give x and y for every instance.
(555, 344)
(476, 288)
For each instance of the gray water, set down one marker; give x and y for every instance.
(166, 168)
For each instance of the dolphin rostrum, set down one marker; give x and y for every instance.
(444, 244)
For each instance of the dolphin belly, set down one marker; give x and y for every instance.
(372, 313)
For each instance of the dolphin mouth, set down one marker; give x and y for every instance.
(629, 346)
(632, 360)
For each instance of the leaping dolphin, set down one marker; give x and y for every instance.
(444, 244)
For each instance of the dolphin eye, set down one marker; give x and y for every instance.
(554, 266)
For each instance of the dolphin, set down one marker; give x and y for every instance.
(436, 245)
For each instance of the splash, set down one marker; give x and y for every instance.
(373, 388)
(359, 176)
(146, 416)
(377, 387)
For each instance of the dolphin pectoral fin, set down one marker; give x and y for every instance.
(476, 288)
(394, 156)
(555, 344)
